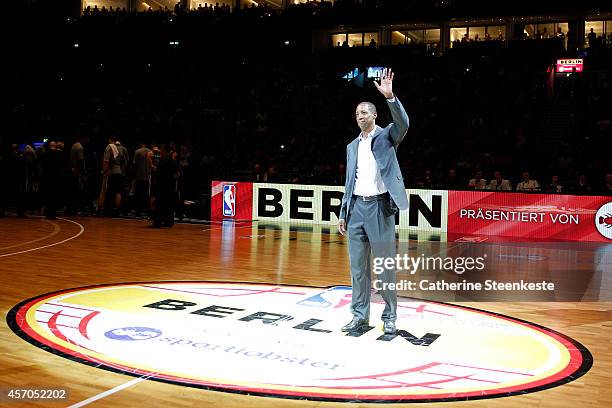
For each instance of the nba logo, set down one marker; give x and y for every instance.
(229, 200)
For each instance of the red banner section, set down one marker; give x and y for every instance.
(469, 215)
(231, 201)
(530, 216)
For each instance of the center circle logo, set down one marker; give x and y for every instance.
(285, 341)
(603, 220)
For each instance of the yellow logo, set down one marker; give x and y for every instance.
(286, 341)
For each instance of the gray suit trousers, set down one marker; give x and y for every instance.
(371, 233)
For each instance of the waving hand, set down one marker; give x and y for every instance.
(385, 86)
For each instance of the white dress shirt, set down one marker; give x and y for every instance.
(531, 185)
(368, 181)
(505, 185)
(478, 184)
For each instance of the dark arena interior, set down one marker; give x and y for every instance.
(287, 203)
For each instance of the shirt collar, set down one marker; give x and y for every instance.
(361, 138)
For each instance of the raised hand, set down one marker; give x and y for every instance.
(385, 86)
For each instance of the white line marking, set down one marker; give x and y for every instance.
(56, 230)
(111, 391)
(50, 245)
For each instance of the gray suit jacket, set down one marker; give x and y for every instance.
(384, 148)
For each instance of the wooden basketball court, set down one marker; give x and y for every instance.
(39, 256)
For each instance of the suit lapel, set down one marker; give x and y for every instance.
(354, 149)
(352, 161)
(377, 132)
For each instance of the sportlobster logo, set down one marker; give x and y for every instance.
(603, 220)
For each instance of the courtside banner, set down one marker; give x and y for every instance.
(299, 203)
(518, 215)
(231, 200)
(310, 204)
(531, 216)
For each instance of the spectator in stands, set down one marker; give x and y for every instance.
(142, 178)
(499, 183)
(592, 38)
(452, 182)
(478, 182)
(32, 177)
(559, 33)
(52, 163)
(372, 43)
(167, 174)
(258, 174)
(426, 180)
(112, 166)
(77, 202)
(582, 187)
(554, 186)
(601, 40)
(125, 160)
(528, 184)
(271, 176)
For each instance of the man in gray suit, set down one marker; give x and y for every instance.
(374, 193)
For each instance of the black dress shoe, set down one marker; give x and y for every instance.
(389, 327)
(355, 324)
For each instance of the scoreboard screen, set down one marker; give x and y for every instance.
(570, 65)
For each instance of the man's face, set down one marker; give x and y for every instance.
(555, 179)
(365, 118)
(525, 176)
(497, 176)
